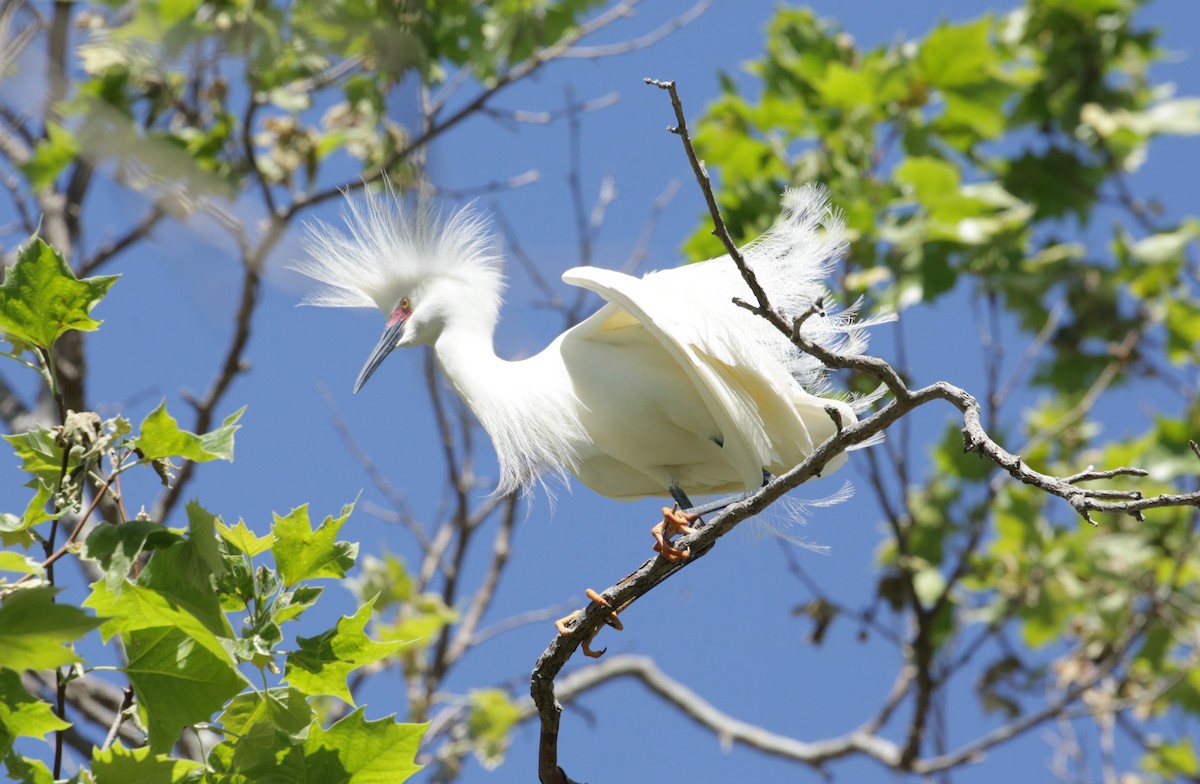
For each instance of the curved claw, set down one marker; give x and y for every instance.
(674, 522)
(611, 619)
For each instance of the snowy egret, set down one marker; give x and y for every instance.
(668, 389)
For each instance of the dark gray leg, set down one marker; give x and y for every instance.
(712, 506)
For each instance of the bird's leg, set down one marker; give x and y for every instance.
(679, 520)
(611, 620)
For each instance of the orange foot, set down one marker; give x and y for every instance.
(611, 619)
(675, 521)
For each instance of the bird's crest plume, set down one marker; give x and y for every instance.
(390, 242)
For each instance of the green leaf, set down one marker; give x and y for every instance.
(357, 751)
(202, 536)
(281, 707)
(11, 561)
(244, 539)
(21, 714)
(955, 55)
(950, 459)
(304, 554)
(50, 156)
(116, 547)
(41, 298)
(1183, 330)
(43, 458)
(1171, 761)
(493, 715)
(181, 671)
(161, 437)
(118, 765)
(28, 771)
(932, 180)
(1056, 182)
(291, 604)
(178, 681)
(36, 630)
(263, 727)
(322, 664)
(387, 579)
(846, 88)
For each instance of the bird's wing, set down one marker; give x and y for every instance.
(748, 392)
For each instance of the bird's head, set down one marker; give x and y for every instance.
(426, 272)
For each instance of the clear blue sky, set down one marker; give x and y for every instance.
(724, 627)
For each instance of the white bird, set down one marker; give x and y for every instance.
(668, 389)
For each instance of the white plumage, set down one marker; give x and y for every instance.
(669, 386)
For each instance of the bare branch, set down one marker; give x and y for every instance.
(728, 729)
(377, 477)
(136, 233)
(643, 41)
(547, 117)
(638, 254)
(232, 366)
(464, 635)
(521, 71)
(527, 177)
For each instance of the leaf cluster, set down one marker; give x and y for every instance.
(971, 161)
(194, 611)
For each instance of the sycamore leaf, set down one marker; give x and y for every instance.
(303, 554)
(263, 726)
(322, 663)
(161, 438)
(357, 751)
(11, 561)
(178, 682)
(118, 765)
(181, 671)
(21, 714)
(41, 298)
(956, 55)
(43, 458)
(281, 707)
(242, 538)
(27, 771)
(116, 547)
(35, 630)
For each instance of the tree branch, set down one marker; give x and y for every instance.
(698, 544)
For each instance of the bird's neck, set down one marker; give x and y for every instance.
(526, 406)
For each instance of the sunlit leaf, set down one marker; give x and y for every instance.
(36, 630)
(321, 664)
(41, 298)
(118, 765)
(304, 554)
(161, 437)
(21, 714)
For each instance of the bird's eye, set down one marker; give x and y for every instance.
(406, 304)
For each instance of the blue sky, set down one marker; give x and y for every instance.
(724, 627)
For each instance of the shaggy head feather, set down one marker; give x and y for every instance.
(389, 247)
